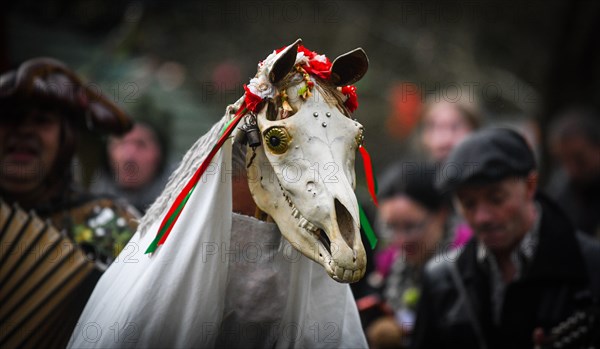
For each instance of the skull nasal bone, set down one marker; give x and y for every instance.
(345, 223)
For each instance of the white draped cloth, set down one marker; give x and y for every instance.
(220, 280)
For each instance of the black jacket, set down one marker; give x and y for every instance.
(563, 276)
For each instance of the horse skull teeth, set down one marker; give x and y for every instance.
(339, 273)
(303, 222)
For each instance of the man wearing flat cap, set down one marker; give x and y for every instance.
(527, 278)
(44, 107)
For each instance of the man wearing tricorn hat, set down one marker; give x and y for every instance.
(43, 108)
(525, 272)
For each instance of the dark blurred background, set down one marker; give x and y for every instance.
(523, 61)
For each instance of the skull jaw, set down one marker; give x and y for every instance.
(342, 262)
(346, 265)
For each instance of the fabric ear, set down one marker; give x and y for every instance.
(349, 67)
(285, 62)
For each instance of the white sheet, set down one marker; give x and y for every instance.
(215, 284)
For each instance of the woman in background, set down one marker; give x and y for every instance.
(444, 124)
(413, 216)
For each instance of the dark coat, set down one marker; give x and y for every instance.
(563, 277)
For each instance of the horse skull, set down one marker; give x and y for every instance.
(303, 174)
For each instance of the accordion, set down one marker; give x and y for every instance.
(45, 280)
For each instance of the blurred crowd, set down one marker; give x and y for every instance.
(432, 208)
(47, 114)
(423, 223)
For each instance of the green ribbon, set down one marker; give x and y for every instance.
(154, 245)
(364, 223)
(226, 126)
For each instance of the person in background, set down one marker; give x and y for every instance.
(574, 140)
(446, 123)
(44, 109)
(136, 166)
(526, 279)
(413, 215)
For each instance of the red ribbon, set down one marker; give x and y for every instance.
(371, 184)
(174, 212)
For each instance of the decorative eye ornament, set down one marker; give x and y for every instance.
(277, 139)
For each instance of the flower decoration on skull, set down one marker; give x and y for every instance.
(308, 63)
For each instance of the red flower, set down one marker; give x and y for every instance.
(308, 53)
(352, 101)
(320, 69)
(316, 67)
(252, 101)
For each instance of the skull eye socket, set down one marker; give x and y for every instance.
(271, 111)
(277, 139)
